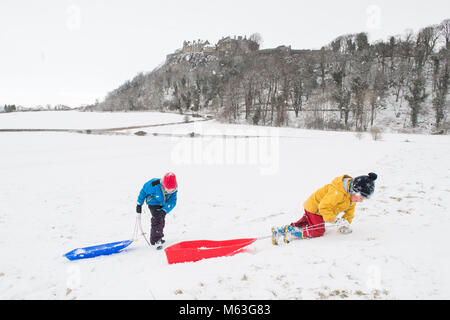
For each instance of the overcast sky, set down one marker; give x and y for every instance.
(73, 52)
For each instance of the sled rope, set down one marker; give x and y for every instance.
(142, 231)
(135, 230)
(137, 227)
(308, 228)
(320, 225)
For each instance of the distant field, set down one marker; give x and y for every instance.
(83, 120)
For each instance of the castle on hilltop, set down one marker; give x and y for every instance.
(237, 45)
(224, 46)
(197, 46)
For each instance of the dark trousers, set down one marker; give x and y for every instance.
(158, 222)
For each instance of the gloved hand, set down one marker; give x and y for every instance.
(345, 229)
(344, 225)
(138, 208)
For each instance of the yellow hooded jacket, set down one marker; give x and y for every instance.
(332, 199)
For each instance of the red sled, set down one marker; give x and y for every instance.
(191, 251)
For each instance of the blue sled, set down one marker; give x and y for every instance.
(100, 250)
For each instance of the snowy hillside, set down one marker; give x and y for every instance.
(60, 191)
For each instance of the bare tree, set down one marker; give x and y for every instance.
(445, 31)
(427, 39)
(416, 97)
(440, 93)
(257, 38)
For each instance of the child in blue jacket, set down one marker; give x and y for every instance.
(161, 197)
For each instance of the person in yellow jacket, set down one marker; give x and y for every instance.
(324, 205)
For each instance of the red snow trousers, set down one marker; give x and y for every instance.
(312, 225)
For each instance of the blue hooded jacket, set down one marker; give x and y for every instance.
(153, 194)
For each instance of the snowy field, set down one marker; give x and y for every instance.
(83, 120)
(60, 191)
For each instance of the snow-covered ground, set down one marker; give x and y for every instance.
(60, 191)
(83, 120)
